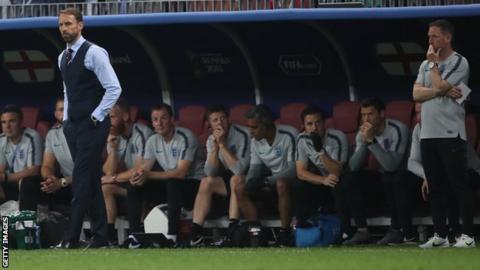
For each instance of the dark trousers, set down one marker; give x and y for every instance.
(86, 142)
(373, 189)
(31, 194)
(407, 188)
(27, 195)
(445, 165)
(11, 191)
(179, 193)
(307, 197)
(473, 179)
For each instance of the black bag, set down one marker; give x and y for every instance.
(52, 227)
(246, 235)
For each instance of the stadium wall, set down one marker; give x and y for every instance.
(317, 56)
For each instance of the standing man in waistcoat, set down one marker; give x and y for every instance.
(91, 89)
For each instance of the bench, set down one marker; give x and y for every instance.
(121, 224)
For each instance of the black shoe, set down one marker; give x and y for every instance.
(392, 237)
(227, 240)
(195, 238)
(411, 239)
(255, 233)
(66, 245)
(192, 242)
(285, 238)
(224, 242)
(131, 243)
(359, 238)
(97, 244)
(342, 237)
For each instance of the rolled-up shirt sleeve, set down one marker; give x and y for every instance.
(98, 61)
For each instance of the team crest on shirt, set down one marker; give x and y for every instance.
(278, 151)
(386, 144)
(233, 149)
(174, 152)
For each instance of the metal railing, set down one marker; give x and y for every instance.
(92, 7)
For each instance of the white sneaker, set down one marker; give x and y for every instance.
(465, 241)
(436, 241)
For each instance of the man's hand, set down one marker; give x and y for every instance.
(432, 55)
(330, 180)
(367, 131)
(425, 190)
(112, 141)
(215, 145)
(51, 184)
(138, 177)
(109, 179)
(454, 93)
(317, 141)
(219, 135)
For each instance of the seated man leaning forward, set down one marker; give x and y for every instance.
(272, 167)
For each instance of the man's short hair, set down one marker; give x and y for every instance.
(60, 98)
(311, 110)
(215, 108)
(12, 108)
(123, 105)
(373, 102)
(262, 114)
(163, 106)
(73, 11)
(445, 26)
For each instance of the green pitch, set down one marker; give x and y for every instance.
(410, 258)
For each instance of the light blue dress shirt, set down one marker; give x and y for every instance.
(97, 61)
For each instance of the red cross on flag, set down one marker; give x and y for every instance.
(29, 66)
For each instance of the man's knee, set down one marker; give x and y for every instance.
(206, 185)
(239, 189)
(236, 180)
(108, 190)
(283, 187)
(30, 185)
(300, 185)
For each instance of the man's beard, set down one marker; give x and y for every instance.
(69, 38)
(117, 130)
